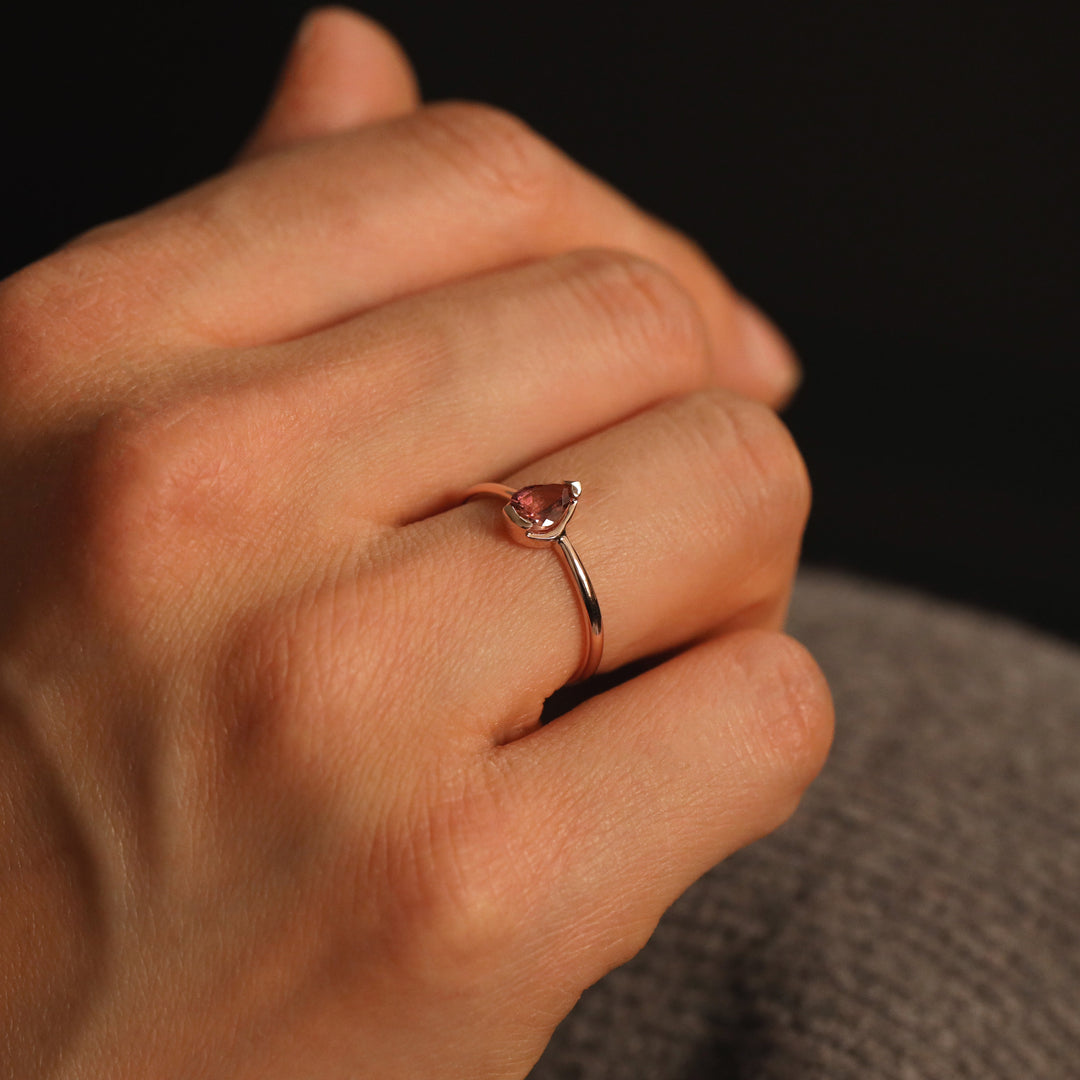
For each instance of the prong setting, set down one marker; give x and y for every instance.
(539, 515)
(541, 512)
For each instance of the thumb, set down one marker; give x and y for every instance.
(343, 70)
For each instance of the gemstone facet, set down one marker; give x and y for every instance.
(543, 506)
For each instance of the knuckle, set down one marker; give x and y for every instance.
(213, 217)
(799, 728)
(81, 292)
(147, 488)
(41, 307)
(58, 314)
(458, 885)
(655, 319)
(495, 151)
(270, 679)
(23, 303)
(747, 437)
(767, 442)
(326, 647)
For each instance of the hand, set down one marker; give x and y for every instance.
(274, 798)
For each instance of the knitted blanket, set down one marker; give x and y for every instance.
(919, 917)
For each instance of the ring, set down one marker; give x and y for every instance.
(538, 515)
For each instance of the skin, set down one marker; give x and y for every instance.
(274, 801)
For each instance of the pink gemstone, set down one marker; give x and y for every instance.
(543, 506)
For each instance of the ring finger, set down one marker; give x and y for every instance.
(690, 521)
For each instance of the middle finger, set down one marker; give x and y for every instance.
(301, 239)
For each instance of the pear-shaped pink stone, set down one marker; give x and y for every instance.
(543, 506)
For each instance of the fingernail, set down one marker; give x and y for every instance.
(768, 351)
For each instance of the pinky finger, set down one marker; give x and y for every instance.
(642, 789)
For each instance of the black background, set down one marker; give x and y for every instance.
(896, 183)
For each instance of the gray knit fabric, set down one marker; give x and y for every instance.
(920, 915)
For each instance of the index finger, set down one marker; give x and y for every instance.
(280, 246)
